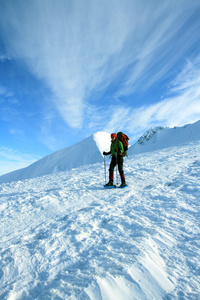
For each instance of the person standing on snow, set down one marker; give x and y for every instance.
(117, 151)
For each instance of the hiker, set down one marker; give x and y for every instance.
(117, 151)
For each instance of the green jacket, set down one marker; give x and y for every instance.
(116, 145)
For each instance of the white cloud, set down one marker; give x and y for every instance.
(77, 47)
(80, 47)
(118, 118)
(68, 45)
(4, 58)
(182, 107)
(160, 46)
(189, 77)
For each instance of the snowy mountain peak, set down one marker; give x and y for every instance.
(149, 134)
(163, 137)
(88, 151)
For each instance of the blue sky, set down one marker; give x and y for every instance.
(71, 68)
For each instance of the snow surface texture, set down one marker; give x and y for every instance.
(63, 236)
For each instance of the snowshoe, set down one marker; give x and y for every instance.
(110, 185)
(123, 185)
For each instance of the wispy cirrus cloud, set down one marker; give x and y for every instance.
(4, 58)
(180, 107)
(66, 44)
(162, 45)
(78, 48)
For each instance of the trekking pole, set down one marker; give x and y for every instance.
(105, 168)
(116, 170)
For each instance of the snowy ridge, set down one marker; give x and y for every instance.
(89, 151)
(63, 236)
(163, 137)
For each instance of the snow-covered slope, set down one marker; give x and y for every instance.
(64, 236)
(163, 137)
(88, 151)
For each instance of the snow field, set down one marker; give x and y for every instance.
(64, 236)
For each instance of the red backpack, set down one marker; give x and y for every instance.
(122, 137)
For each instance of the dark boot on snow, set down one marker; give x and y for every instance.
(123, 184)
(110, 183)
(111, 177)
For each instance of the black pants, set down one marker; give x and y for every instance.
(120, 161)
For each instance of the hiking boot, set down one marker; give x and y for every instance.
(110, 183)
(123, 184)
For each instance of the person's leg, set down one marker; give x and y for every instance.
(121, 171)
(111, 171)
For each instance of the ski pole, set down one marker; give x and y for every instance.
(116, 171)
(105, 168)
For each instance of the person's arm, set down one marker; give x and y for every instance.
(106, 153)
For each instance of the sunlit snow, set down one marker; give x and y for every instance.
(63, 236)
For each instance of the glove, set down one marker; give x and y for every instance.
(118, 151)
(106, 153)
